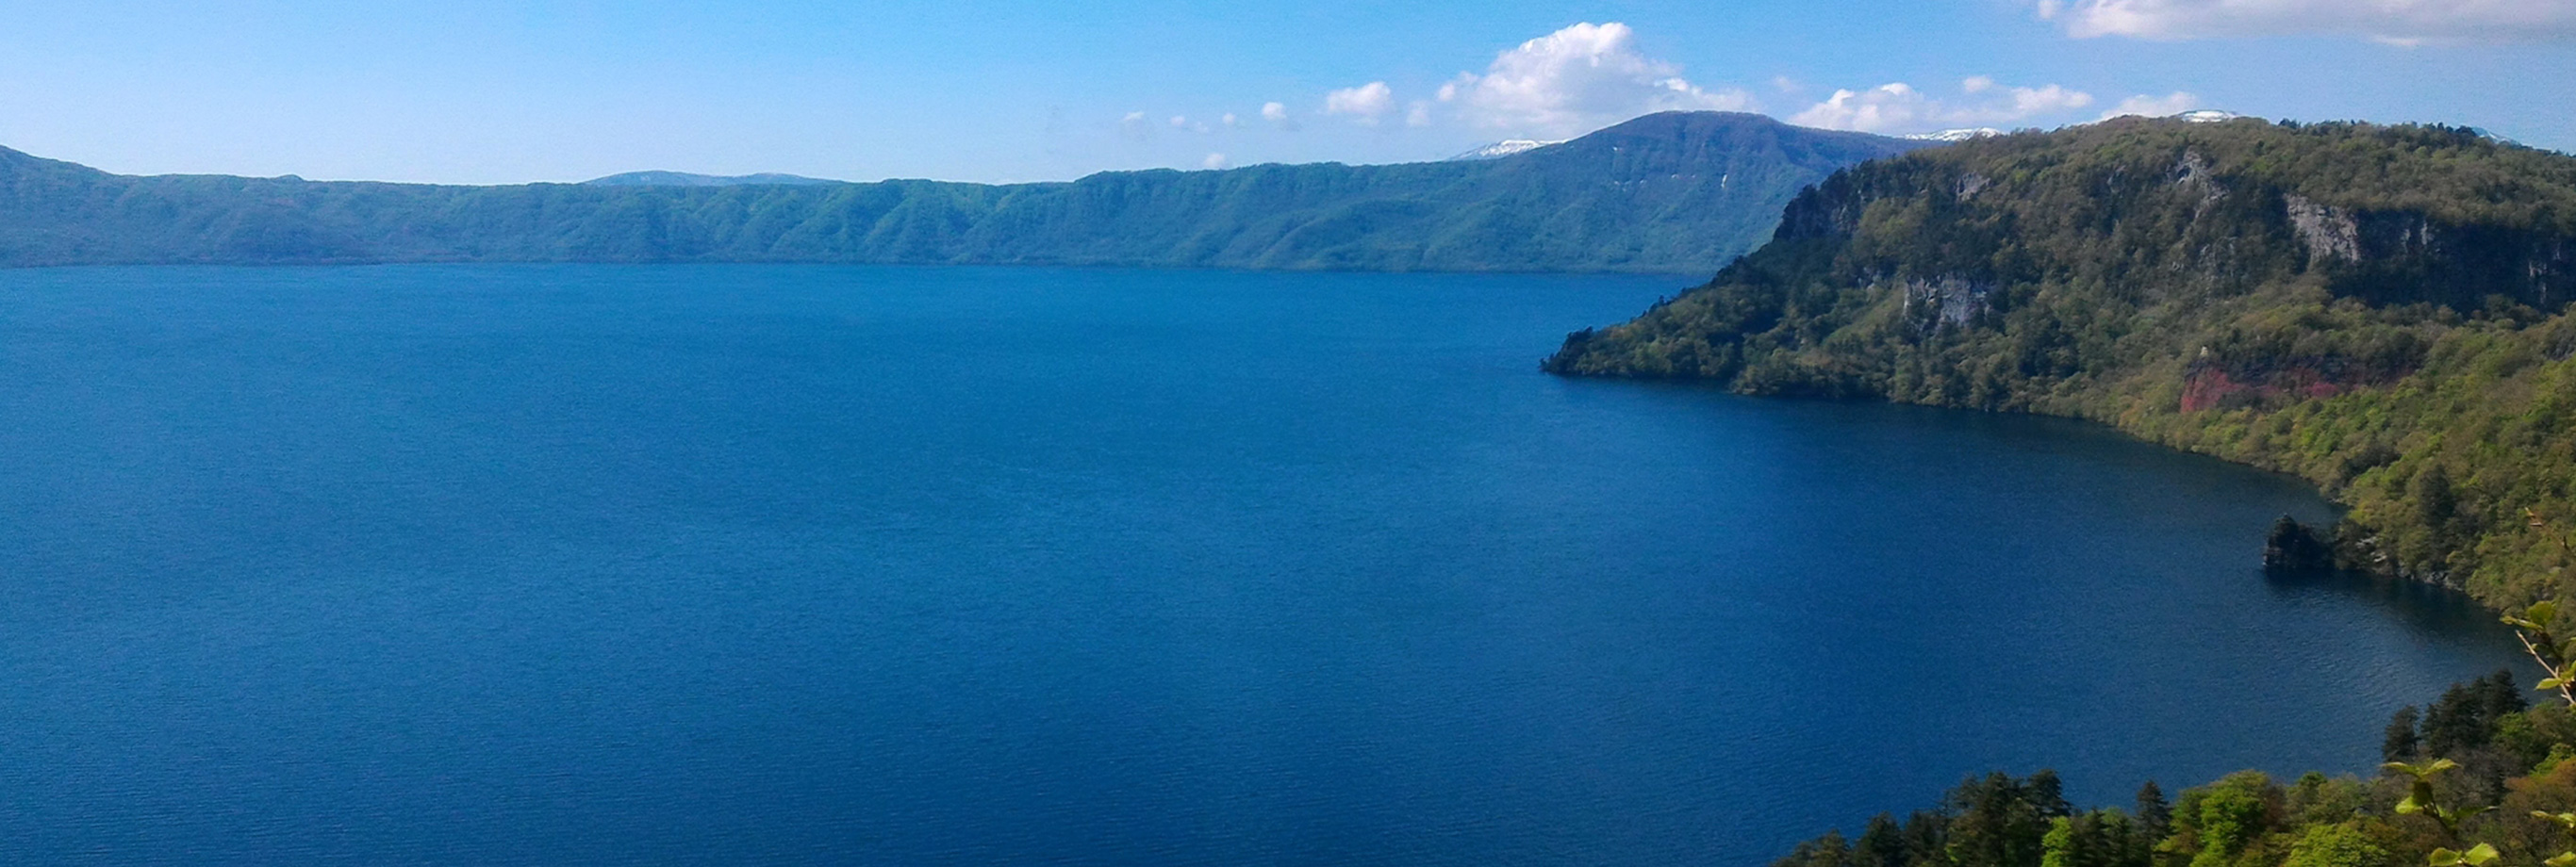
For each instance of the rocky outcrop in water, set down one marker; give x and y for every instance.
(2294, 548)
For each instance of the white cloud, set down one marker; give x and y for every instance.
(2154, 106)
(1418, 114)
(1230, 120)
(1898, 107)
(1213, 161)
(1576, 79)
(2397, 21)
(2034, 101)
(1135, 126)
(1885, 108)
(1277, 115)
(1368, 102)
(1180, 122)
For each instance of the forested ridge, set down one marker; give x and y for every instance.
(1678, 192)
(2380, 309)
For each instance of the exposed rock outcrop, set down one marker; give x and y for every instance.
(2329, 231)
(1947, 302)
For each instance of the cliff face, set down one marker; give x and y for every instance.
(2250, 215)
(2397, 257)
(2362, 305)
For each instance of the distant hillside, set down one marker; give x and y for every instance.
(685, 179)
(1678, 192)
(2382, 310)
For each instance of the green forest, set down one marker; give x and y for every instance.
(2378, 309)
(1667, 193)
(2478, 775)
(2382, 310)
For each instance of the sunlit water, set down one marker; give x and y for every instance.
(803, 565)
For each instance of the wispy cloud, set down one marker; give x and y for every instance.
(2404, 22)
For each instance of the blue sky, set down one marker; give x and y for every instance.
(473, 92)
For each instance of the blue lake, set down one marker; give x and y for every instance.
(817, 565)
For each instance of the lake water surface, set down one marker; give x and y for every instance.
(807, 565)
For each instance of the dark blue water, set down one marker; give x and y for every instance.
(789, 565)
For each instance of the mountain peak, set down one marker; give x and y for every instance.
(1721, 129)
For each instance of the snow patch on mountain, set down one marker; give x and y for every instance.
(1506, 147)
(2490, 135)
(1957, 134)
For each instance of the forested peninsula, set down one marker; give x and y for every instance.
(2379, 309)
(1680, 192)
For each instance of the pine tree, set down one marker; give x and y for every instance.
(1882, 844)
(2401, 743)
(2155, 815)
(2048, 794)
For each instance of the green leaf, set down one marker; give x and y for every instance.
(2479, 854)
